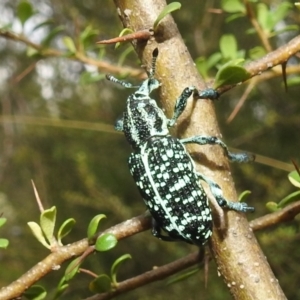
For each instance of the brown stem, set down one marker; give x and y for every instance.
(263, 37)
(284, 215)
(49, 52)
(55, 259)
(157, 273)
(269, 61)
(124, 230)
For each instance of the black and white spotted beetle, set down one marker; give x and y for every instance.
(163, 170)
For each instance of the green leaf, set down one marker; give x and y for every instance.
(68, 42)
(2, 221)
(37, 232)
(281, 12)
(228, 46)
(244, 195)
(115, 267)
(61, 287)
(60, 290)
(231, 73)
(204, 64)
(201, 66)
(47, 221)
(93, 226)
(293, 197)
(167, 10)
(233, 17)
(42, 24)
(51, 35)
(213, 60)
(123, 32)
(257, 52)
(183, 276)
(87, 36)
(294, 178)
(105, 242)
(4, 243)
(35, 292)
(101, 284)
(233, 6)
(272, 206)
(72, 269)
(24, 11)
(31, 52)
(264, 17)
(65, 229)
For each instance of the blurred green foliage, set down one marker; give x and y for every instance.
(83, 171)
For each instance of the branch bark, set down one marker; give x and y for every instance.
(236, 251)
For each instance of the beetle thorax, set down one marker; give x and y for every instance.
(143, 119)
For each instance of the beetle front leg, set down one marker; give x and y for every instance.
(181, 104)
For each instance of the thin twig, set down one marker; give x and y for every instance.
(284, 215)
(263, 37)
(157, 273)
(272, 59)
(50, 52)
(138, 35)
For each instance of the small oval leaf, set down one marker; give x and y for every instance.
(24, 11)
(294, 178)
(4, 243)
(123, 32)
(115, 267)
(228, 46)
(69, 43)
(35, 292)
(182, 276)
(167, 10)
(230, 74)
(51, 35)
(42, 24)
(244, 195)
(101, 284)
(293, 197)
(2, 221)
(47, 221)
(233, 6)
(60, 290)
(65, 229)
(93, 226)
(272, 206)
(37, 232)
(106, 242)
(72, 268)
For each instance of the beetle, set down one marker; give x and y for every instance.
(163, 170)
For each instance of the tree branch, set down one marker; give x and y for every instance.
(157, 273)
(78, 55)
(121, 231)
